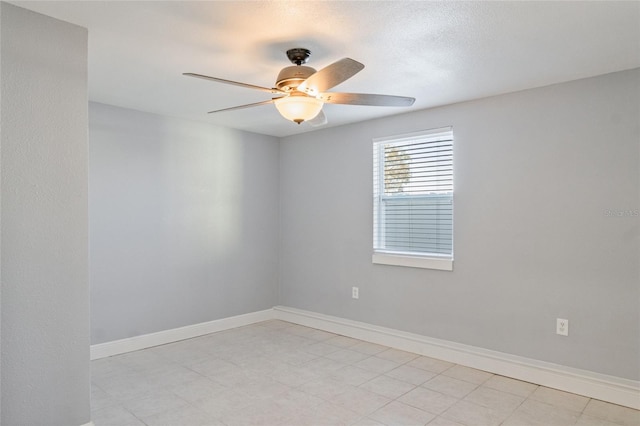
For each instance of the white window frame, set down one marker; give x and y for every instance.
(388, 257)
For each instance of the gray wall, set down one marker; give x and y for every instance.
(535, 173)
(183, 222)
(45, 291)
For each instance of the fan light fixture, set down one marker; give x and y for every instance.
(298, 108)
(302, 91)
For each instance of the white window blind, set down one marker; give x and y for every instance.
(413, 194)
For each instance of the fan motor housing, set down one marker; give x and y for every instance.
(290, 77)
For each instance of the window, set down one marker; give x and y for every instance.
(413, 199)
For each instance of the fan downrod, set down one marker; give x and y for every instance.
(298, 55)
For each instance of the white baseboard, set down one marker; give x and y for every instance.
(594, 385)
(88, 424)
(116, 347)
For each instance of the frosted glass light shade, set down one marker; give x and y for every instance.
(298, 108)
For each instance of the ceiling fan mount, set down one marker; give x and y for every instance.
(298, 55)
(301, 90)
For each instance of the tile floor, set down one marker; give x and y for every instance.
(278, 373)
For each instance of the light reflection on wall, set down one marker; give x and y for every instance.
(205, 181)
(183, 222)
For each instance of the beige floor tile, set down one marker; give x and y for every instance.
(559, 398)
(145, 361)
(275, 324)
(171, 377)
(471, 414)
(325, 414)
(468, 374)
(613, 413)
(258, 413)
(361, 401)
(320, 349)
(294, 376)
(124, 387)
(353, 376)
(397, 355)
(450, 386)
(262, 388)
(441, 421)
(495, 399)
(294, 357)
(342, 341)
(585, 420)
(535, 413)
(387, 386)
(368, 348)
(182, 354)
(106, 367)
(368, 422)
(413, 375)
(299, 330)
(223, 404)
(324, 365)
(315, 419)
(199, 389)
(318, 335)
(299, 342)
(326, 388)
(100, 399)
(397, 413)
(513, 386)
(376, 364)
(428, 400)
(236, 377)
(347, 356)
(261, 364)
(212, 366)
(336, 414)
(115, 416)
(430, 364)
(297, 399)
(155, 403)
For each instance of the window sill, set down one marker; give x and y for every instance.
(413, 261)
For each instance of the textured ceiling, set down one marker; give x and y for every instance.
(437, 52)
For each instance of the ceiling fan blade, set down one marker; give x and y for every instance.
(318, 120)
(270, 101)
(235, 83)
(365, 99)
(330, 76)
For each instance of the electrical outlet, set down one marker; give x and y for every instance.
(355, 293)
(562, 327)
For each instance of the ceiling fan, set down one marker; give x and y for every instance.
(301, 90)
